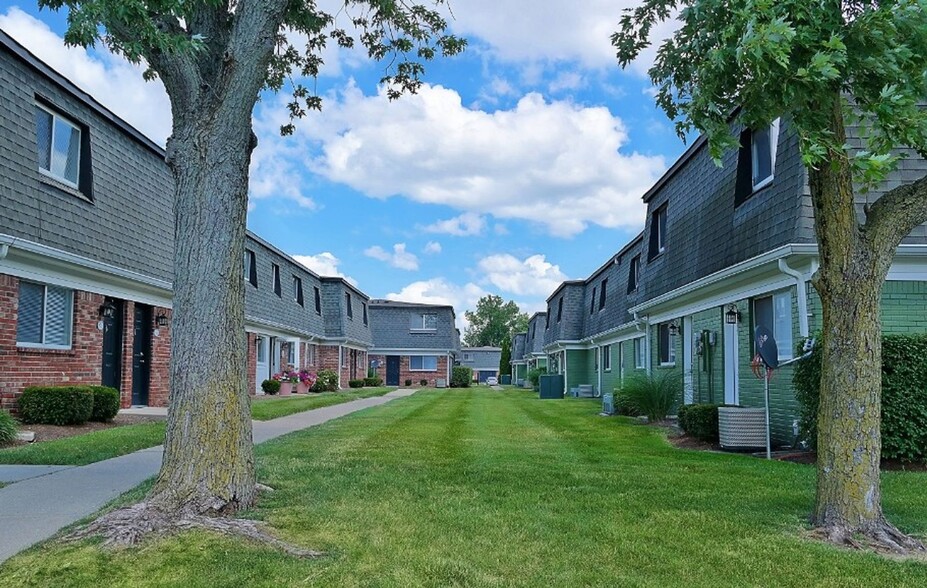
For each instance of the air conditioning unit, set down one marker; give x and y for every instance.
(440, 383)
(741, 428)
(608, 404)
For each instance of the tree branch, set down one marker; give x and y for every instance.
(893, 216)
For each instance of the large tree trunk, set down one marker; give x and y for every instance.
(849, 282)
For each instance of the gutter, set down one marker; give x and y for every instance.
(802, 295)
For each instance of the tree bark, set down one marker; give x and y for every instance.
(849, 282)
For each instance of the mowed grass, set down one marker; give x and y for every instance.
(105, 444)
(267, 408)
(484, 488)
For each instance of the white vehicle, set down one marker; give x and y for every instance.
(492, 381)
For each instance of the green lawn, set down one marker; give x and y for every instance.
(100, 445)
(267, 408)
(486, 488)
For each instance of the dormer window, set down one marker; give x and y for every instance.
(602, 294)
(560, 309)
(424, 322)
(634, 273)
(658, 232)
(763, 154)
(62, 149)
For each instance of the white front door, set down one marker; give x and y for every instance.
(262, 368)
(731, 380)
(275, 351)
(687, 380)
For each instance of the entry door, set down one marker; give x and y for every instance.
(262, 366)
(112, 346)
(392, 370)
(731, 379)
(687, 379)
(141, 355)
(275, 351)
(354, 364)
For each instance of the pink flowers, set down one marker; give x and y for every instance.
(292, 376)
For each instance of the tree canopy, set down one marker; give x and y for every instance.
(493, 322)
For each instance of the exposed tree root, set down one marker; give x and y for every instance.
(882, 538)
(128, 526)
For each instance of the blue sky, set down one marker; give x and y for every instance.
(520, 163)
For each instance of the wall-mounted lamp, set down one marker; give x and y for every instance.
(161, 320)
(107, 309)
(732, 316)
(673, 329)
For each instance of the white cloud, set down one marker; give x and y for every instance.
(555, 163)
(399, 258)
(441, 291)
(532, 276)
(324, 264)
(465, 225)
(569, 80)
(114, 82)
(500, 229)
(433, 247)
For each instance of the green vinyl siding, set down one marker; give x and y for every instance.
(708, 368)
(610, 379)
(519, 373)
(579, 368)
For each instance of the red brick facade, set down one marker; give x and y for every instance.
(405, 373)
(83, 362)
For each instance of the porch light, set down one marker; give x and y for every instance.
(673, 329)
(107, 310)
(161, 320)
(732, 316)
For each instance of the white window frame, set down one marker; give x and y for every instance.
(773, 147)
(670, 341)
(640, 353)
(297, 290)
(423, 368)
(80, 132)
(607, 358)
(426, 328)
(70, 324)
(786, 352)
(661, 237)
(468, 357)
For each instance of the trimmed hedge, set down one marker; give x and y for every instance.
(461, 377)
(373, 382)
(326, 381)
(56, 405)
(699, 421)
(8, 428)
(904, 396)
(105, 403)
(355, 383)
(270, 386)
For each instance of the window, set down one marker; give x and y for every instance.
(365, 313)
(251, 268)
(291, 353)
(261, 344)
(423, 322)
(667, 345)
(775, 313)
(634, 273)
(658, 232)
(640, 353)
(423, 363)
(44, 317)
(468, 357)
(592, 306)
(58, 144)
(607, 358)
(276, 277)
(311, 354)
(560, 309)
(298, 290)
(348, 305)
(602, 293)
(318, 300)
(756, 161)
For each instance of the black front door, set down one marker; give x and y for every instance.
(112, 346)
(141, 355)
(392, 370)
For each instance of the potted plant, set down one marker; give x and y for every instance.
(270, 386)
(306, 381)
(287, 379)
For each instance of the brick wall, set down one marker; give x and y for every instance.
(159, 388)
(251, 355)
(416, 376)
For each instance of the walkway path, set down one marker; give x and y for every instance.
(46, 500)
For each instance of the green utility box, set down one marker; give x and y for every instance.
(551, 386)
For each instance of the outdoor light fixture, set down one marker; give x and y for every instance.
(732, 316)
(107, 310)
(161, 320)
(673, 329)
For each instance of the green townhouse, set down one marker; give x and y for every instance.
(528, 349)
(723, 250)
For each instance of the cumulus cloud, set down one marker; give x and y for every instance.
(558, 164)
(467, 224)
(324, 264)
(532, 276)
(433, 247)
(399, 258)
(442, 291)
(114, 82)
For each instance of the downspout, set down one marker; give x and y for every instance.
(340, 364)
(802, 295)
(598, 354)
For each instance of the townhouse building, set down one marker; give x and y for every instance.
(86, 256)
(413, 342)
(723, 250)
(484, 361)
(519, 361)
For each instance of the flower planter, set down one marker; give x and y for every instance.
(741, 428)
(302, 388)
(286, 388)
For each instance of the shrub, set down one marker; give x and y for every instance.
(7, 428)
(700, 421)
(105, 403)
(56, 405)
(534, 376)
(408, 382)
(356, 383)
(904, 396)
(326, 381)
(270, 386)
(653, 396)
(373, 381)
(423, 382)
(461, 377)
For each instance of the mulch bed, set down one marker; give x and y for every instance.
(49, 432)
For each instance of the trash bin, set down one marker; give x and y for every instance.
(551, 386)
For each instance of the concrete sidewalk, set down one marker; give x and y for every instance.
(35, 508)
